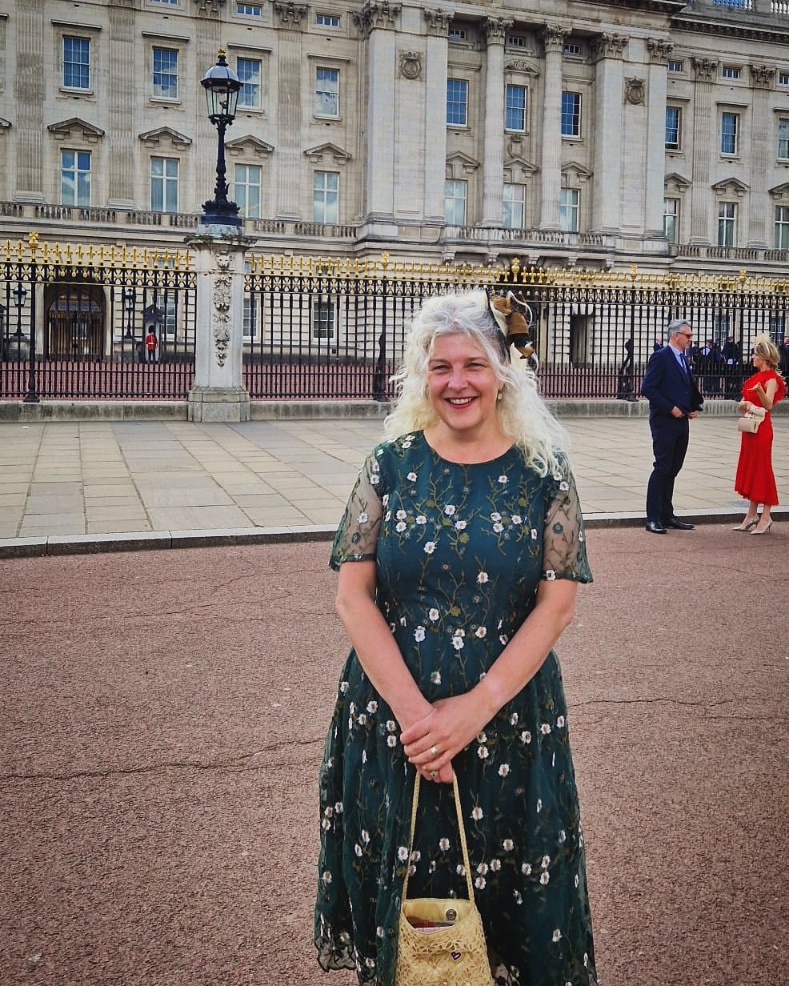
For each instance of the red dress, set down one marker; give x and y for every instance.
(755, 479)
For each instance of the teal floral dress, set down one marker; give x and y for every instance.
(460, 551)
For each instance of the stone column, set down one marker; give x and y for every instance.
(551, 159)
(121, 98)
(377, 22)
(608, 132)
(762, 78)
(289, 110)
(659, 52)
(29, 96)
(706, 70)
(435, 128)
(493, 169)
(218, 393)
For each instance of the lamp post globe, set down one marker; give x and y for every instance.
(221, 86)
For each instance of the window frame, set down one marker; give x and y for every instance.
(781, 227)
(512, 201)
(575, 117)
(324, 207)
(671, 217)
(571, 209)
(79, 201)
(324, 319)
(255, 87)
(783, 125)
(727, 224)
(510, 108)
(458, 184)
(677, 144)
(69, 63)
(733, 135)
(255, 9)
(241, 190)
(462, 87)
(168, 182)
(331, 21)
(163, 96)
(322, 96)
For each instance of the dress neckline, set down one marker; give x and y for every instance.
(453, 462)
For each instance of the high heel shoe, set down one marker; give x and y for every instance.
(763, 530)
(746, 525)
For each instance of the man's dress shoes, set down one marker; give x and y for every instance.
(679, 525)
(654, 528)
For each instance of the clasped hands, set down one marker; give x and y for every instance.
(430, 743)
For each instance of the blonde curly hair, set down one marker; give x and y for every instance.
(523, 415)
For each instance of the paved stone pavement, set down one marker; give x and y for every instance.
(66, 485)
(162, 716)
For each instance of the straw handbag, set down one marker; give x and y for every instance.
(441, 941)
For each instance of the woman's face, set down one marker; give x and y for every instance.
(757, 360)
(461, 383)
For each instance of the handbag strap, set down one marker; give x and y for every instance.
(461, 829)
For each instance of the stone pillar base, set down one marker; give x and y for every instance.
(216, 404)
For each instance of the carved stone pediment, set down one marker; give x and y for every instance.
(76, 127)
(318, 153)
(459, 162)
(249, 145)
(676, 182)
(165, 135)
(730, 186)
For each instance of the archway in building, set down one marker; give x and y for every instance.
(75, 321)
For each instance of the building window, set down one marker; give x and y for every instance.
(246, 190)
(729, 128)
(782, 227)
(568, 210)
(325, 197)
(76, 63)
(327, 92)
(250, 316)
(571, 48)
(456, 34)
(172, 3)
(517, 41)
(671, 219)
(248, 71)
(457, 102)
(322, 320)
(514, 206)
(327, 20)
(164, 184)
(455, 194)
(783, 139)
(571, 114)
(165, 73)
(673, 127)
(727, 224)
(515, 108)
(676, 66)
(783, 78)
(249, 9)
(729, 72)
(75, 177)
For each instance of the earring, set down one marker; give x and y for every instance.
(500, 395)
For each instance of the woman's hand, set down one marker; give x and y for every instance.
(449, 727)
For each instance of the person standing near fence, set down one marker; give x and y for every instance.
(151, 345)
(674, 399)
(755, 479)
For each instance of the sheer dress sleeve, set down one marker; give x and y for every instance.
(564, 540)
(357, 536)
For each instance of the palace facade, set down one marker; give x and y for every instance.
(560, 132)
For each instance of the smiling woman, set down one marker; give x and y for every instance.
(459, 557)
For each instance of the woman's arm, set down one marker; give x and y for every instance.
(454, 722)
(767, 394)
(374, 644)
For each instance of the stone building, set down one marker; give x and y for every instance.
(563, 132)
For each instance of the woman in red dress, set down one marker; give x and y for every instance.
(755, 479)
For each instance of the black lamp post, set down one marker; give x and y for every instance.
(128, 304)
(221, 86)
(20, 296)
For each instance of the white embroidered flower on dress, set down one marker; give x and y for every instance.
(556, 935)
(443, 844)
(508, 845)
(433, 614)
(517, 519)
(457, 641)
(401, 515)
(476, 813)
(479, 883)
(560, 722)
(430, 547)
(495, 516)
(460, 525)
(526, 736)
(402, 854)
(480, 632)
(411, 477)
(482, 578)
(526, 869)
(545, 878)
(533, 534)
(421, 519)
(503, 479)
(504, 769)
(400, 526)
(550, 575)
(483, 752)
(419, 634)
(449, 509)
(363, 517)
(545, 728)
(435, 677)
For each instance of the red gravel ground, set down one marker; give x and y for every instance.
(162, 717)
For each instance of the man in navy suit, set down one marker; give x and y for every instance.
(674, 399)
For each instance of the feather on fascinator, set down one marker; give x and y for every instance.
(514, 317)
